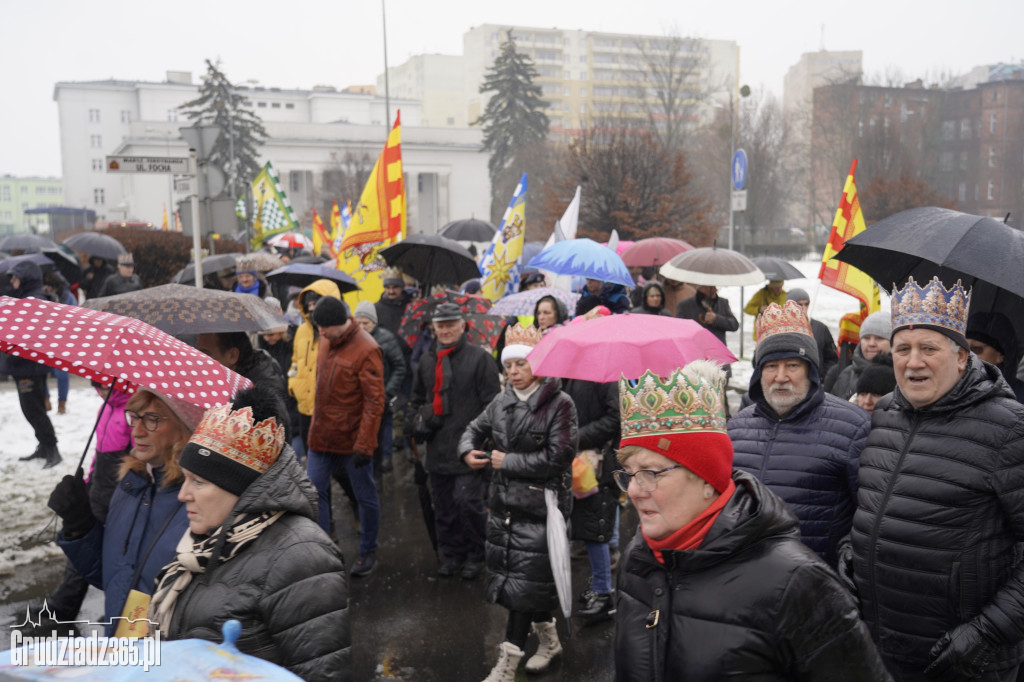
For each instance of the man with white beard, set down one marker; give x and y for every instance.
(801, 442)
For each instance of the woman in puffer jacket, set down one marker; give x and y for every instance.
(253, 550)
(533, 433)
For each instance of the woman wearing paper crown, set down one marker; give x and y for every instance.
(532, 429)
(717, 584)
(253, 550)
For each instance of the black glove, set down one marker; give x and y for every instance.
(966, 650)
(70, 499)
(361, 460)
(844, 568)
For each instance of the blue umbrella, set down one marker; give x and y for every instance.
(586, 258)
(304, 274)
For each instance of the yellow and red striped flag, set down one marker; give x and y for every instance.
(321, 239)
(849, 221)
(335, 221)
(378, 221)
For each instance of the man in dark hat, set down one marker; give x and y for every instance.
(801, 442)
(391, 306)
(346, 418)
(124, 280)
(454, 381)
(934, 554)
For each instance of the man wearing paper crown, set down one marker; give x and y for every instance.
(533, 433)
(935, 554)
(801, 442)
(717, 584)
(253, 550)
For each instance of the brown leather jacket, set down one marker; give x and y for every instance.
(349, 394)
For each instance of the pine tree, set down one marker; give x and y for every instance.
(221, 105)
(514, 121)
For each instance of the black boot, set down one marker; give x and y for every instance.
(51, 455)
(599, 607)
(38, 454)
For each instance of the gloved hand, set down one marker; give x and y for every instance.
(70, 499)
(361, 460)
(844, 568)
(966, 650)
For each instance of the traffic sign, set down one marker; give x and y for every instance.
(739, 169)
(149, 164)
(183, 185)
(739, 200)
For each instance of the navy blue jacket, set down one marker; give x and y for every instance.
(108, 554)
(809, 458)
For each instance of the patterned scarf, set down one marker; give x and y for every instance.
(193, 555)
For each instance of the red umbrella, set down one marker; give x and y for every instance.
(653, 252)
(419, 311)
(114, 350)
(605, 348)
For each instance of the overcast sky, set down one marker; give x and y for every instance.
(300, 43)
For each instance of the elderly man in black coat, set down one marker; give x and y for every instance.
(935, 557)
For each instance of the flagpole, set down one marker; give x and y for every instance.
(387, 88)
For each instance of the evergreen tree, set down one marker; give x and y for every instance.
(242, 130)
(514, 121)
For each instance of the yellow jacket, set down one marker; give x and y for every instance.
(302, 376)
(761, 299)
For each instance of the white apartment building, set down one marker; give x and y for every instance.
(309, 131)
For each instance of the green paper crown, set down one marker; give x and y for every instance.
(690, 400)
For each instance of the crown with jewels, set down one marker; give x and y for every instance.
(787, 319)
(246, 265)
(688, 401)
(234, 435)
(932, 305)
(518, 335)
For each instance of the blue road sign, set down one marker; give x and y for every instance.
(739, 169)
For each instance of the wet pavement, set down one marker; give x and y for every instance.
(407, 623)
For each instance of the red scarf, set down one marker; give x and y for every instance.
(692, 534)
(439, 380)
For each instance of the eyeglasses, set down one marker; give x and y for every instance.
(647, 479)
(150, 421)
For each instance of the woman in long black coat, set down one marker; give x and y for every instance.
(532, 429)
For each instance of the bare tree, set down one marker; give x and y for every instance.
(343, 179)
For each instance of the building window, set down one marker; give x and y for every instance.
(98, 197)
(172, 115)
(567, 75)
(24, 189)
(991, 190)
(583, 92)
(94, 116)
(888, 100)
(289, 105)
(949, 130)
(583, 59)
(97, 164)
(962, 192)
(860, 128)
(566, 92)
(946, 161)
(583, 108)
(885, 126)
(96, 141)
(296, 181)
(126, 116)
(275, 105)
(5, 192)
(991, 157)
(583, 75)
(261, 105)
(451, 120)
(963, 161)
(993, 121)
(965, 129)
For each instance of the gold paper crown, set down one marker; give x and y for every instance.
(233, 435)
(776, 319)
(518, 335)
(391, 273)
(688, 401)
(933, 305)
(246, 265)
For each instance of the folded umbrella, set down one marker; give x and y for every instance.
(712, 266)
(605, 348)
(180, 309)
(95, 244)
(583, 257)
(303, 274)
(558, 554)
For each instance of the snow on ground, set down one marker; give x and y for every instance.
(26, 486)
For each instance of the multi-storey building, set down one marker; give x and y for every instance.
(967, 144)
(20, 194)
(309, 132)
(436, 82)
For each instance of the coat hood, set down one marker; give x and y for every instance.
(31, 277)
(815, 394)
(284, 487)
(324, 287)
(561, 312)
(654, 284)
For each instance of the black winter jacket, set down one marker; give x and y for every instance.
(539, 437)
(940, 515)
(827, 352)
(288, 587)
(597, 410)
(692, 308)
(845, 384)
(471, 382)
(809, 458)
(31, 286)
(750, 603)
(116, 284)
(391, 311)
(393, 358)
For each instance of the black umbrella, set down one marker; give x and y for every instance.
(925, 242)
(95, 244)
(66, 262)
(214, 263)
(39, 259)
(775, 269)
(26, 242)
(432, 259)
(309, 259)
(469, 230)
(180, 309)
(304, 274)
(421, 477)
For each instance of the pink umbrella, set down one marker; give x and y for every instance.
(605, 348)
(653, 251)
(112, 349)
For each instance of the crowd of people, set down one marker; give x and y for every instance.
(859, 518)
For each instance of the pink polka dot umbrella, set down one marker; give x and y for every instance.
(112, 349)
